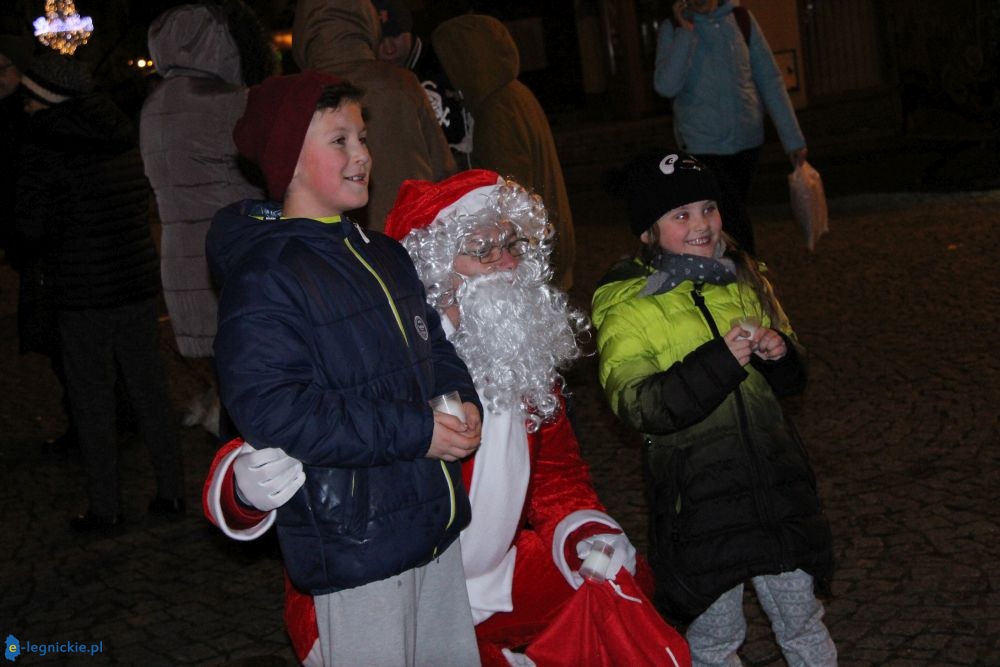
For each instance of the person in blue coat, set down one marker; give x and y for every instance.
(326, 348)
(715, 64)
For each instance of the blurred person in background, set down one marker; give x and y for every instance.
(341, 37)
(710, 51)
(208, 54)
(402, 47)
(83, 207)
(511, 134)
(37, 330)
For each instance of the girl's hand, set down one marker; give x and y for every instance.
(769, 345)
(740, 344)
(681, 15)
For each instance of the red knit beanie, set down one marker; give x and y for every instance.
(419, 203)
(274, 124)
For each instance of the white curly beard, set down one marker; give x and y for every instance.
(515, 333)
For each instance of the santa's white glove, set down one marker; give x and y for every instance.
(624, 555)
(267, 478)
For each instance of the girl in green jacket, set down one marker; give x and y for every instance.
(694, 350)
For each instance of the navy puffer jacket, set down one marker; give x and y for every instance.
(327, 349)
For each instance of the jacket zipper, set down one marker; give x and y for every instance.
(388, 297)
(763, 508)
(453, 501)
(451, 495)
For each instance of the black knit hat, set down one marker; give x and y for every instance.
(661, 181)
(53, 78)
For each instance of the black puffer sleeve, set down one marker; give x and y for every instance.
(788, 375)
(688, 391)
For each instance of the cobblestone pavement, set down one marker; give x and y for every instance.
(897, 307)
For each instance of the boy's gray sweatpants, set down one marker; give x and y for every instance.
(420, 618)
(796, 618)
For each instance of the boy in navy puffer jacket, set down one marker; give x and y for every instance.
(326, 349)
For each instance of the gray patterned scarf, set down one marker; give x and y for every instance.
(672, 269)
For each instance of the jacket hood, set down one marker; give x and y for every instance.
(478, 55)
(195, 39)
(329, 33)
(88, 124)
(240, 228)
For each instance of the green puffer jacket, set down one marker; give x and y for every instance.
(733, 494)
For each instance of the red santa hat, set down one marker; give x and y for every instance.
(420, 203)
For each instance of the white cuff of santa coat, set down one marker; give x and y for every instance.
(567, 527)
(215, 502)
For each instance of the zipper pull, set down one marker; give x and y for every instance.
(699, 302)
(696, 296)
(360, 231)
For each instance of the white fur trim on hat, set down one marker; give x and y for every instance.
(473, 201)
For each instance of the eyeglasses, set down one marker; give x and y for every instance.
(488, 252)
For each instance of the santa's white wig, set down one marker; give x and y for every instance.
(515, 330)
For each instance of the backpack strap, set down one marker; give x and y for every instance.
(742, 16)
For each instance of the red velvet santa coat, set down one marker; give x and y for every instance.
(552, 499)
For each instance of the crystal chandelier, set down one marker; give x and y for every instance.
(62, 28)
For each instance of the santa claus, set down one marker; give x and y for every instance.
(481, 246)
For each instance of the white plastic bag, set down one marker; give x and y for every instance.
(808, 202)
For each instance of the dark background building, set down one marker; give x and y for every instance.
(894, 67)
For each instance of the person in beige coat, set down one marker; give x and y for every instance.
(341, 37)
(207, 55)
(511, 134)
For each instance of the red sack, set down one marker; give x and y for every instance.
(605, 626)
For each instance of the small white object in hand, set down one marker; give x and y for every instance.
(750, 324)
(595, 565)
(450, 404)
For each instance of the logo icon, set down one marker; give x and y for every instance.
(421, 326)
(673, 162)
(667, 164)
(12, 649)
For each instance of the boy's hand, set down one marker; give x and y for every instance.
(472, 419)
(452, 440)
(740, 344)
(769, 345)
